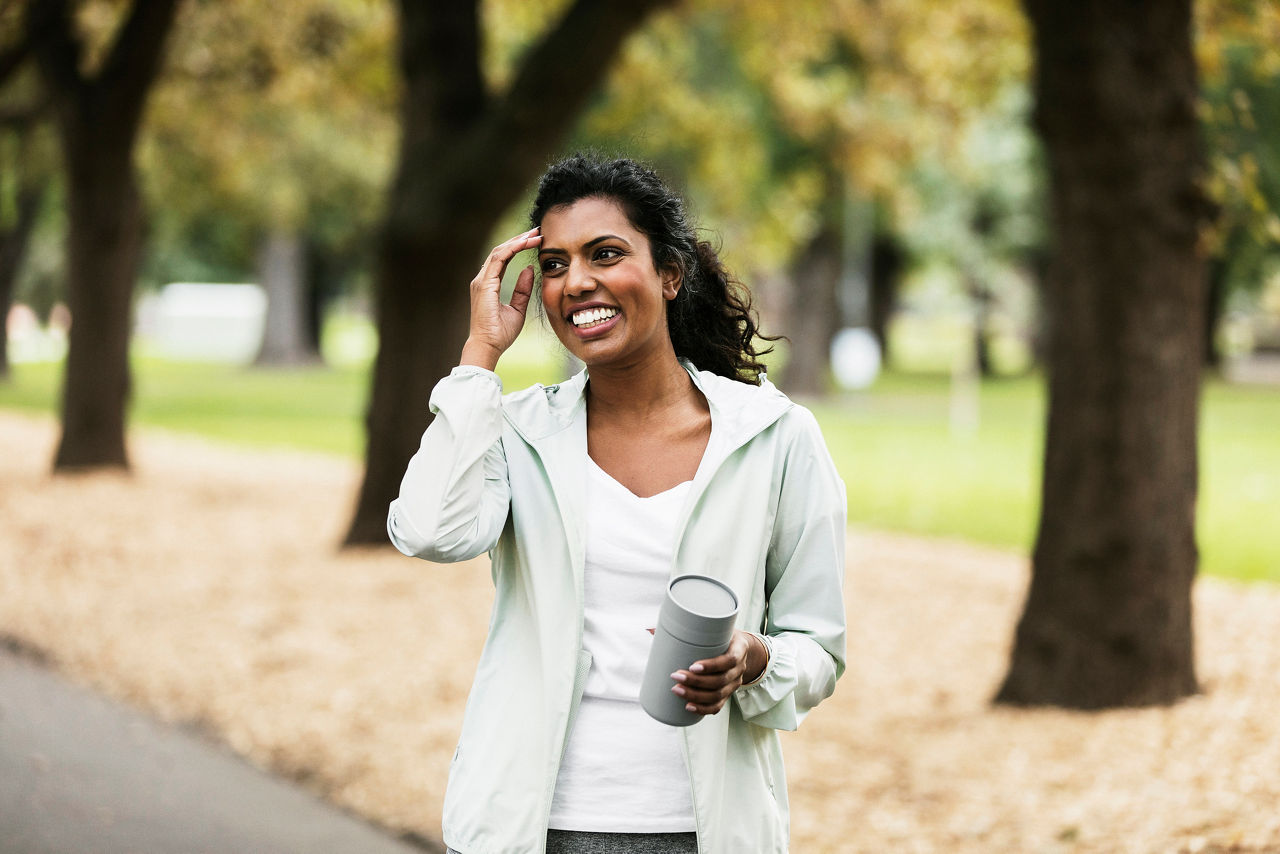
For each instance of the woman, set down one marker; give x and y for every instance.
(670, 453)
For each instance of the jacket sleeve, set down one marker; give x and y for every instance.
(804, 577)
(455, 494)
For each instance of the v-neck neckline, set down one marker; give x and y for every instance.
(681, 486)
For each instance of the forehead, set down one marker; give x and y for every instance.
(586, 219)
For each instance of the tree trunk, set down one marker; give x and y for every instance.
(1107, 620)
(1037, 271)
(814, 313)
(887, 261)
(286, 337)
(104, 251)
(466, 156)
(1215, 307)
(982, 299)
(13, 248)
(419, 342)
(98, 121)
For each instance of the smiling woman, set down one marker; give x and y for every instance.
(670, 454)
(603, 295)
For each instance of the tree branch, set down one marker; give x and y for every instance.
(11, 58)
(56, 46)
(134, 59)
(555, 80)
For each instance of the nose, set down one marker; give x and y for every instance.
(578, 280)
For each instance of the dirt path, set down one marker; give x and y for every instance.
(206, 588)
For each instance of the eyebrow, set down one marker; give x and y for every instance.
(551, 250)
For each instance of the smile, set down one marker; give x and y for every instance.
(589, 317)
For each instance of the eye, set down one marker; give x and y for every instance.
(551, 265)
(608, 253)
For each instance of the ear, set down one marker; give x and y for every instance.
(671, 282)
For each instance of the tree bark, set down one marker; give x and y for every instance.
(282, 273)
(1215, 307)
(1107, 620)
(813, 317)
(98, 119)
(1220, 266)
(13, 248)
(14, 240)
(466, 156)
(887, 261)
(982, 298)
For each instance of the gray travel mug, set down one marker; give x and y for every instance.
(695, 622)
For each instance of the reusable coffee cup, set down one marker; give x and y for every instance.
(695, 622)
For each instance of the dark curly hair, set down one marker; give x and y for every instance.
(711, 320)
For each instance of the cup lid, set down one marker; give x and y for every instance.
(699, 609)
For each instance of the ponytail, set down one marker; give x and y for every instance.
(712, 323)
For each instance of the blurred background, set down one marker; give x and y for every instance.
(255, 224)
(869, 170)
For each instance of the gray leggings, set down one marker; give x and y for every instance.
(576, 842)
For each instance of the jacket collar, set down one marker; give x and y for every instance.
(738, 411)
(553, 420)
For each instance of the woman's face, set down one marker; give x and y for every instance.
(603, 297)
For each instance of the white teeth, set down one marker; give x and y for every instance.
(592, 316)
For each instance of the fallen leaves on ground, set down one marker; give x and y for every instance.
(207, 588)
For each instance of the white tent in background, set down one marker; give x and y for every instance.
(204, 322)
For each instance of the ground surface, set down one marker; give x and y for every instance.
(206, 588)
(80, 773)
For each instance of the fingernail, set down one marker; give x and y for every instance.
(678, 676)
(690, 707)
(697, 668)
(678, 690)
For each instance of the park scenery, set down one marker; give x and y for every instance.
(1025, 257)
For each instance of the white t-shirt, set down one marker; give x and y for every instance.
(622, 771)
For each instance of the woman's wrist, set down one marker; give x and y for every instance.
(479, 354)
(759, 648)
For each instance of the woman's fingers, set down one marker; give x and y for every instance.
(524, 290)
(494, 326)
(707, 700)
(709, 683)
(496, 264)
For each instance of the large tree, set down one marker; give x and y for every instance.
(1107, 620)
(467, 153)
(98, 115)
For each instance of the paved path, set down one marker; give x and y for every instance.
(82, 775)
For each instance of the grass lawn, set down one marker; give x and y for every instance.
(907, 469)
(908, 463)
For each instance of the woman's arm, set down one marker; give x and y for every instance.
(804, 579)
(454, 496)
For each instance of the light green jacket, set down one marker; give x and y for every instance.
(766, 515)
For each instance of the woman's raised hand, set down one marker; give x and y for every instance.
(494, 324)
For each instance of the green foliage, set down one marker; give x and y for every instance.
(1241, 115)
(269, 117)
